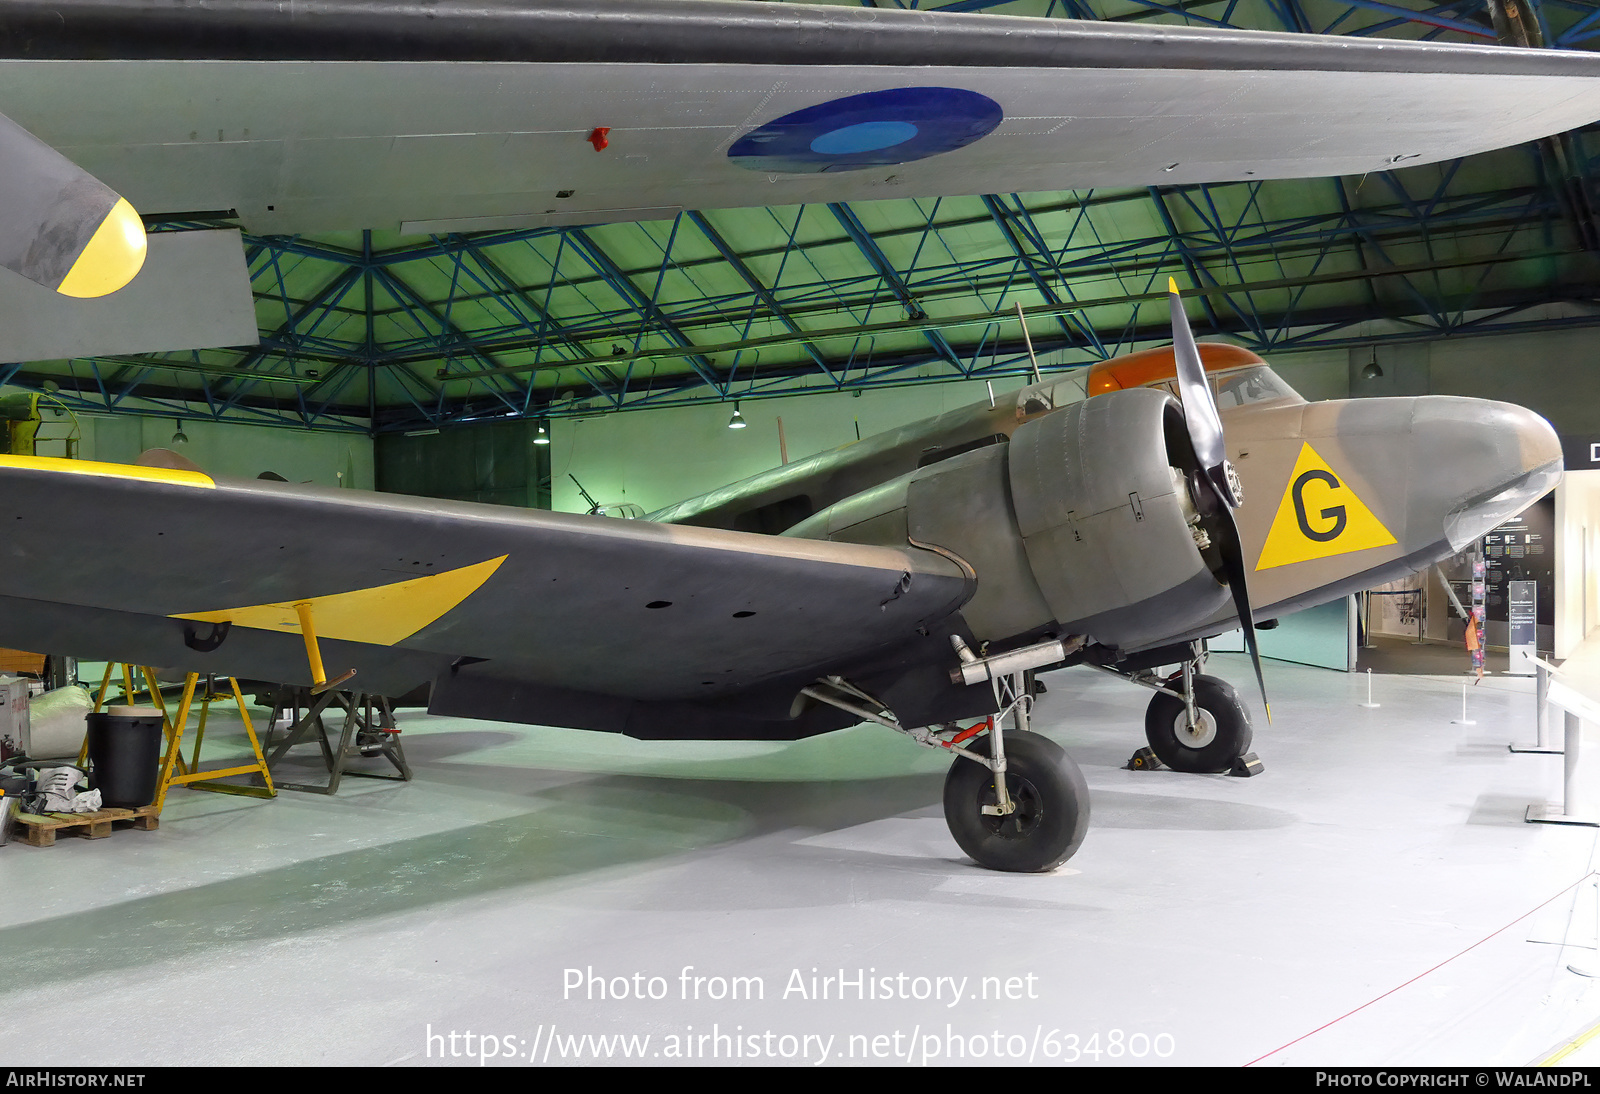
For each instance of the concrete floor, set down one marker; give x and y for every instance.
(1408, 657)
(1206, 920)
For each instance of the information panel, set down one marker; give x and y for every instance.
(1523, 631)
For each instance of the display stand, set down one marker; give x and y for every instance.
(1575, 707)
(1586, 966)
(190, 774)
(175, 770)
(369, 730)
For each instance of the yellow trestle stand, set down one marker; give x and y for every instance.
(175, 770)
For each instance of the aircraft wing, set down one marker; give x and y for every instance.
(117, 562)
(461, 115)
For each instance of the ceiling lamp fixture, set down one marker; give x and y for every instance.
(737, 421)
(542, 436)
(180, 437)
(1372, 371)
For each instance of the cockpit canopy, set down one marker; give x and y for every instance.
(1238, 377)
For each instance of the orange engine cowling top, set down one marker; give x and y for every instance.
(1153, 366)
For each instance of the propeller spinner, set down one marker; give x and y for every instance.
(1218, 489)
(59, 225)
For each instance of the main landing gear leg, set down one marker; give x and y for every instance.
(1013, 801)
(1016, 801)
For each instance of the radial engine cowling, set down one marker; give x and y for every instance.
(1108, 520)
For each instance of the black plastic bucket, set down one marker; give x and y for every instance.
(125, 751)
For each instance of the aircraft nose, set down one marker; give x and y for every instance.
(1480, 462)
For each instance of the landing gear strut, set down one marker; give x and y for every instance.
(1210, 740)
(1013, 801)
(1195, 723)
(1049, 806)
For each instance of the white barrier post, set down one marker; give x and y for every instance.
(1463, 720)
(1369, 704)
(1542, 744)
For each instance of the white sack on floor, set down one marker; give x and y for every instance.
(58, 723)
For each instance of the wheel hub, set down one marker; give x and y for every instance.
(1024, 818)
(1202, 733)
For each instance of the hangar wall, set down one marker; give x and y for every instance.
(494, 462)
(1555, 372)
(1577, 560)
(221, 448)
(654, 458)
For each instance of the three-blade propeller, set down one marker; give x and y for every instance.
(1218, 491)
(59, 225)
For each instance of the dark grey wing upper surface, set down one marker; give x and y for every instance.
(604, 606)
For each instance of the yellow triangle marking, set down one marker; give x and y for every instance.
(381, 615)
(1319, 516)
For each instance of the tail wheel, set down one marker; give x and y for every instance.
(1051, 799)
(1219, 735)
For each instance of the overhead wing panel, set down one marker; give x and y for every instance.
(193, 293)
(341, 115)
(598, 605)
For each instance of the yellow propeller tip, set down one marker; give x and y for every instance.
(1172, 285)
(115, 253)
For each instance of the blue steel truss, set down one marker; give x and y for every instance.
(358, 336)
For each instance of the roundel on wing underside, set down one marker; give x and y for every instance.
(873, 129)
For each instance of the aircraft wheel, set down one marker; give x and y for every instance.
(1221, 735)
(1052, 802)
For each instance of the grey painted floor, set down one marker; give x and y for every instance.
(1207, 920)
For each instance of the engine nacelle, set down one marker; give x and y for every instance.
(1083, 523)
(1108, 522)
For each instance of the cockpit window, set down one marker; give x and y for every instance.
(1250, 385)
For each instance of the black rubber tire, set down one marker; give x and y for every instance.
(1216, 698)
(1052, 800)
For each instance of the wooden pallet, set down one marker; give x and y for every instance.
(18, 661)
(39, 829)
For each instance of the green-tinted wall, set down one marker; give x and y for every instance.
(495, 462)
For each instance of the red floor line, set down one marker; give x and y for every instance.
(1420, 975)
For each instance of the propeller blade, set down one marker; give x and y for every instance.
(1234, 567)
(1199, 405)
(59, 225)
(1217, 474)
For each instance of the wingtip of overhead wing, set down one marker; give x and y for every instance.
(113, 256)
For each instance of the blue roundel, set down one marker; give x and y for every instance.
(874, 129)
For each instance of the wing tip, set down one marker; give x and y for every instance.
(113, 256)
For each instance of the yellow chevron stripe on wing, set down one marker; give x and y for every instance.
(379, 616)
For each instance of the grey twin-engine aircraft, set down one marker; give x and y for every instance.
(914, 579)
